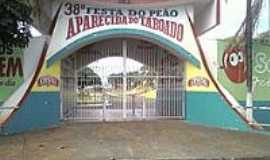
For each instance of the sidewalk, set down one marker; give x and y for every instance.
(133, 140)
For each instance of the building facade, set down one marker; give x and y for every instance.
(105, 61)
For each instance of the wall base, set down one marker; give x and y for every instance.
(210, 109)
(39, 110)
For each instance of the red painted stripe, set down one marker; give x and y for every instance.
(52, 25)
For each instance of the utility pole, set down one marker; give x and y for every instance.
(248, 50)
(268, 8)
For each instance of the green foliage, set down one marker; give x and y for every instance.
(15, 22)
(87, 77)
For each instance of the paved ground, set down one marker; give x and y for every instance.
(133, 140)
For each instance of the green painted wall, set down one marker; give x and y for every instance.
(11, 67)
(261, 73)
(261, 79)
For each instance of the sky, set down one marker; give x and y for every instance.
(232, 14)
(113, 65)
(35, 32)
(109, 65)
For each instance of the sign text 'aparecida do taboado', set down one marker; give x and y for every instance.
(78, 20)
(97, 17)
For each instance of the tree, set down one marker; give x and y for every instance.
(15, 22)
(87, 77)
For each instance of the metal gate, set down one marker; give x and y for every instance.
(122, 80)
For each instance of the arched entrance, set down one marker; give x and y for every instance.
(122, 79)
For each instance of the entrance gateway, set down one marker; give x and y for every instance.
(122, 79)
(107, 66)
(122, 66)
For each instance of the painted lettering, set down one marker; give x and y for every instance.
(70, 30)
(102, 17)
(199, 82)
(262, 63)
(261, 82)
(10, 67)
(48, 81)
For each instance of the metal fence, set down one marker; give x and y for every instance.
(130, 80)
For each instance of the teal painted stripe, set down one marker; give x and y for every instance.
(261, 116)
(122, 33)
(210, 109)
(39, 110)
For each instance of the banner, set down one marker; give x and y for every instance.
(197, 80)
(48, 79)
(261, 71)
(11, 70)
(78, 20)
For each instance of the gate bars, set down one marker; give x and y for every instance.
(122, 80)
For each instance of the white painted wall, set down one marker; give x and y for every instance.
(31, 55)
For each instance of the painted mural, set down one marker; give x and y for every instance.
(11, 71)
(232, 73)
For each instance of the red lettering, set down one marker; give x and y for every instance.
(156, 24)
(79, 22)
(118, 20)
(161, 25)
(148, 22)
(180, 32)
(173, 29)
(94, 21)
(169, 28)
(70, 31)
(107, 20)
(101, 21)
(86, 24)
(124, 21)
(166, 27)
